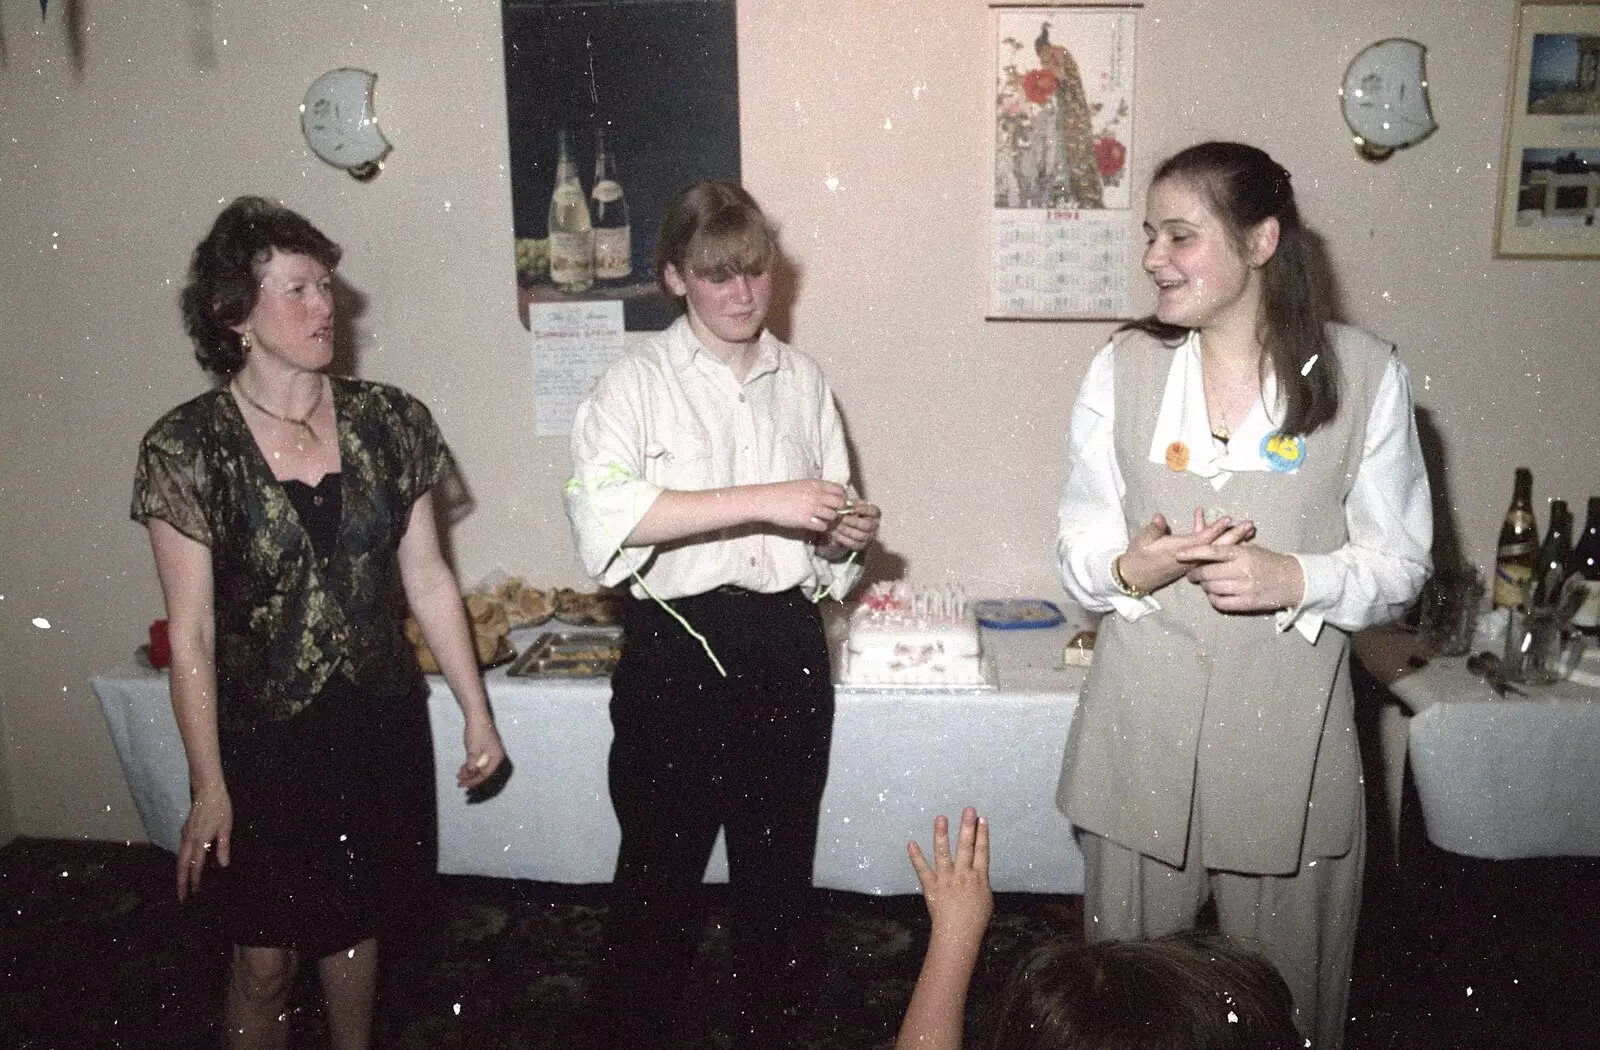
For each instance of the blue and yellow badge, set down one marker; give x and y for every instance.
(1283, 453)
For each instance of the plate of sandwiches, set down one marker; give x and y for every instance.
(582, 609)
(489, 637)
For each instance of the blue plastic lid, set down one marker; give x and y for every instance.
(1013, 614)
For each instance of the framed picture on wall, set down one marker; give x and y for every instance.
(613, 107)
(1061, 226)
(1550, 173)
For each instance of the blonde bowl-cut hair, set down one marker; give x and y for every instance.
(714, 230)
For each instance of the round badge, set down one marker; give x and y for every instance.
(1177, 456)
(1282, 452)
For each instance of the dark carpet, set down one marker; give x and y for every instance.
(96, 952)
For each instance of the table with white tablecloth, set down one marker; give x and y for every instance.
(1498, 777)
(898, 760)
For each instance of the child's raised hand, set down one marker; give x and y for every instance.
(956, 887)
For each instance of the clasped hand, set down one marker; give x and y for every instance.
(1235, 574)
(485, 752)
(825, 507)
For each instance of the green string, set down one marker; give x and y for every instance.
(817, 598)
(617, 474)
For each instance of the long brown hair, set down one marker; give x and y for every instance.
(1243, 187)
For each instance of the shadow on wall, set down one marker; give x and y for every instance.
(1448, 554)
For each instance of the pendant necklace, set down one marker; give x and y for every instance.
(1219, 429)
(304, 422)
(1218, 422)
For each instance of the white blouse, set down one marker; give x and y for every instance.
(1388, 514)
(669, 415)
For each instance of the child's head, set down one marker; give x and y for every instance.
(1185, 991)
(714, 230)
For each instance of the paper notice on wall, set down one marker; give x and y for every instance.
(573, 345)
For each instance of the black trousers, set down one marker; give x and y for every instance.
(693, 752)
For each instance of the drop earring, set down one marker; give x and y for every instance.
(244, 341)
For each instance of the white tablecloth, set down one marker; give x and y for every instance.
(1504, 778)
(1499, 778)
(898, 760)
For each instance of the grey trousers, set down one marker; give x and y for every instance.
(1304, 923)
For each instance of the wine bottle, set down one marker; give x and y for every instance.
(1583, 570)
(613, 238)
(1519, 541)
(1550, 569)
(571, 234)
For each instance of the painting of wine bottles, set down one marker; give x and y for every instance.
(613, 106)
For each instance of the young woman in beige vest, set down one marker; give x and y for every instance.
(1245, 489)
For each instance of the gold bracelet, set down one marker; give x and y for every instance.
(1122, 584)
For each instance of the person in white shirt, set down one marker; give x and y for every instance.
(710, 475)
(1214, 753)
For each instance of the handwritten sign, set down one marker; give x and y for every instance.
(573, 345)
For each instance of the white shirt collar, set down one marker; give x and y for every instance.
(683, 346)
(1182, 438)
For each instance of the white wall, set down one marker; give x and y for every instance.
(108, 178)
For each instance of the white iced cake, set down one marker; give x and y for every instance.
(899, 636)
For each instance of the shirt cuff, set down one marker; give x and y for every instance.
(1321, 591)
(835, 579)
(602, 518)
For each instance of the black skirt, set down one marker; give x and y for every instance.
(334, 823)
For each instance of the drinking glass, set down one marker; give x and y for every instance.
(1541, 646)
(1449, 608)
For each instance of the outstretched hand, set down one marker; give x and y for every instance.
(955, 886)
(1156, 556)
(956, 890)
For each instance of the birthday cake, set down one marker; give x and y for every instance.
(902, 636)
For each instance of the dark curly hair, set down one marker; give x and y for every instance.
(224, 275)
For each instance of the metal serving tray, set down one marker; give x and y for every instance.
(570, 654)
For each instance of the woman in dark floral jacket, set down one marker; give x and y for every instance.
(287, 508)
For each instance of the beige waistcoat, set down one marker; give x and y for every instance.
(1191, 705)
